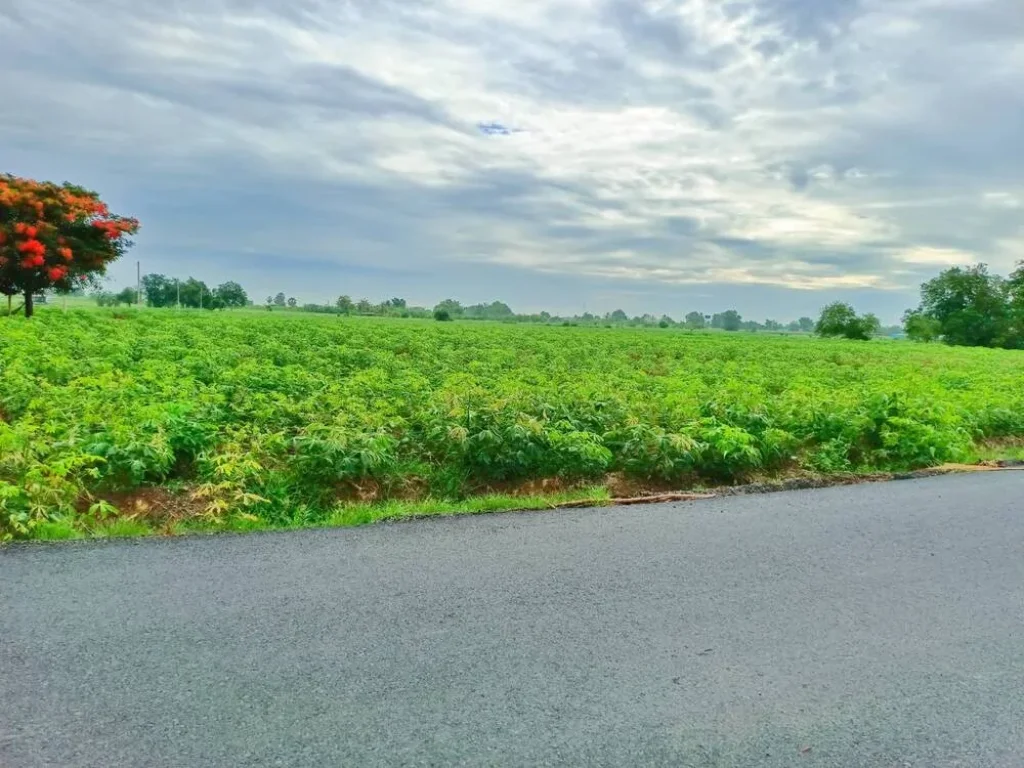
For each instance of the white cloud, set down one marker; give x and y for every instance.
(941, 257)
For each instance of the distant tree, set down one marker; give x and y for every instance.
(496, 310)
(194, 293)
(292, 302)
(970, 305)
(126, 296)
(280, 300)
(695, 320)
(159, 290)
(231, 294)
(772, 325)
(618, 316)
(442, 315)
(731, 320)
(396, 303)
(1015, 304)
(806, 324)
(451, 306)
(104, 298)
(345, 305)
(794, 327)
(840, 319)
(921, 327)
(364, 307)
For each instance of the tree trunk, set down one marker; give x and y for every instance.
(9, 297)
(28, 304)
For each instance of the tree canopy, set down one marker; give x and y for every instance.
(840, 319)
(55, 237)
(975, 308)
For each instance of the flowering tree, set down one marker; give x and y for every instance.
(55, 236)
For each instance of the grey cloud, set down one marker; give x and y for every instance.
(267, 152)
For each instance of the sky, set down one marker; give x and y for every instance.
(657, 156)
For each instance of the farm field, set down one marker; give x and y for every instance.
(128, 422)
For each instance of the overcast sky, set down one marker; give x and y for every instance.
(654, 155)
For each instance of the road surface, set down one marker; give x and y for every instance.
(877, 625)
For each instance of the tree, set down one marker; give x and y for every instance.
(280, 300)
(231, 294)
(921, 327)
(618, 316)
(730, 320)
(806, 324)
(496, 310)
(292, 302)
(442, 315)
(970, 305)
(793, 327)
(695, 320)
(345, 305)
(127, 296)
(451, 306)
(160, 291)
(364, 307)
(840, 319)
(55, 237)
(103, 298)
(1015, 304)
(194, 293)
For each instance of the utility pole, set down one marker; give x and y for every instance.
(200, 298)
(138, 283)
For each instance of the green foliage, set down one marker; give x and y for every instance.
(974, 308)
(921, 327)
(449, 306)
(442, 315)
(840, 319)
(274, 419)
(695, 320)
(730, 320)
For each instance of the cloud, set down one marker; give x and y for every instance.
(808, 145)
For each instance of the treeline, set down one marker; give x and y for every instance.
(450, 309)
(163, 291)
(968, 306)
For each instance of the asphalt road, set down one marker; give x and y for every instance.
(879, 625)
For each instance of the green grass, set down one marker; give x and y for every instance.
(365, 513)
(261, 420)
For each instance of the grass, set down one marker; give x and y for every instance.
(344, 516)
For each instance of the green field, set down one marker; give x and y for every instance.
(125, 422)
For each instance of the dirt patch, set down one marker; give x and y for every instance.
(152, 504)
(367, 491)
(995, 443)
(537, 487)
